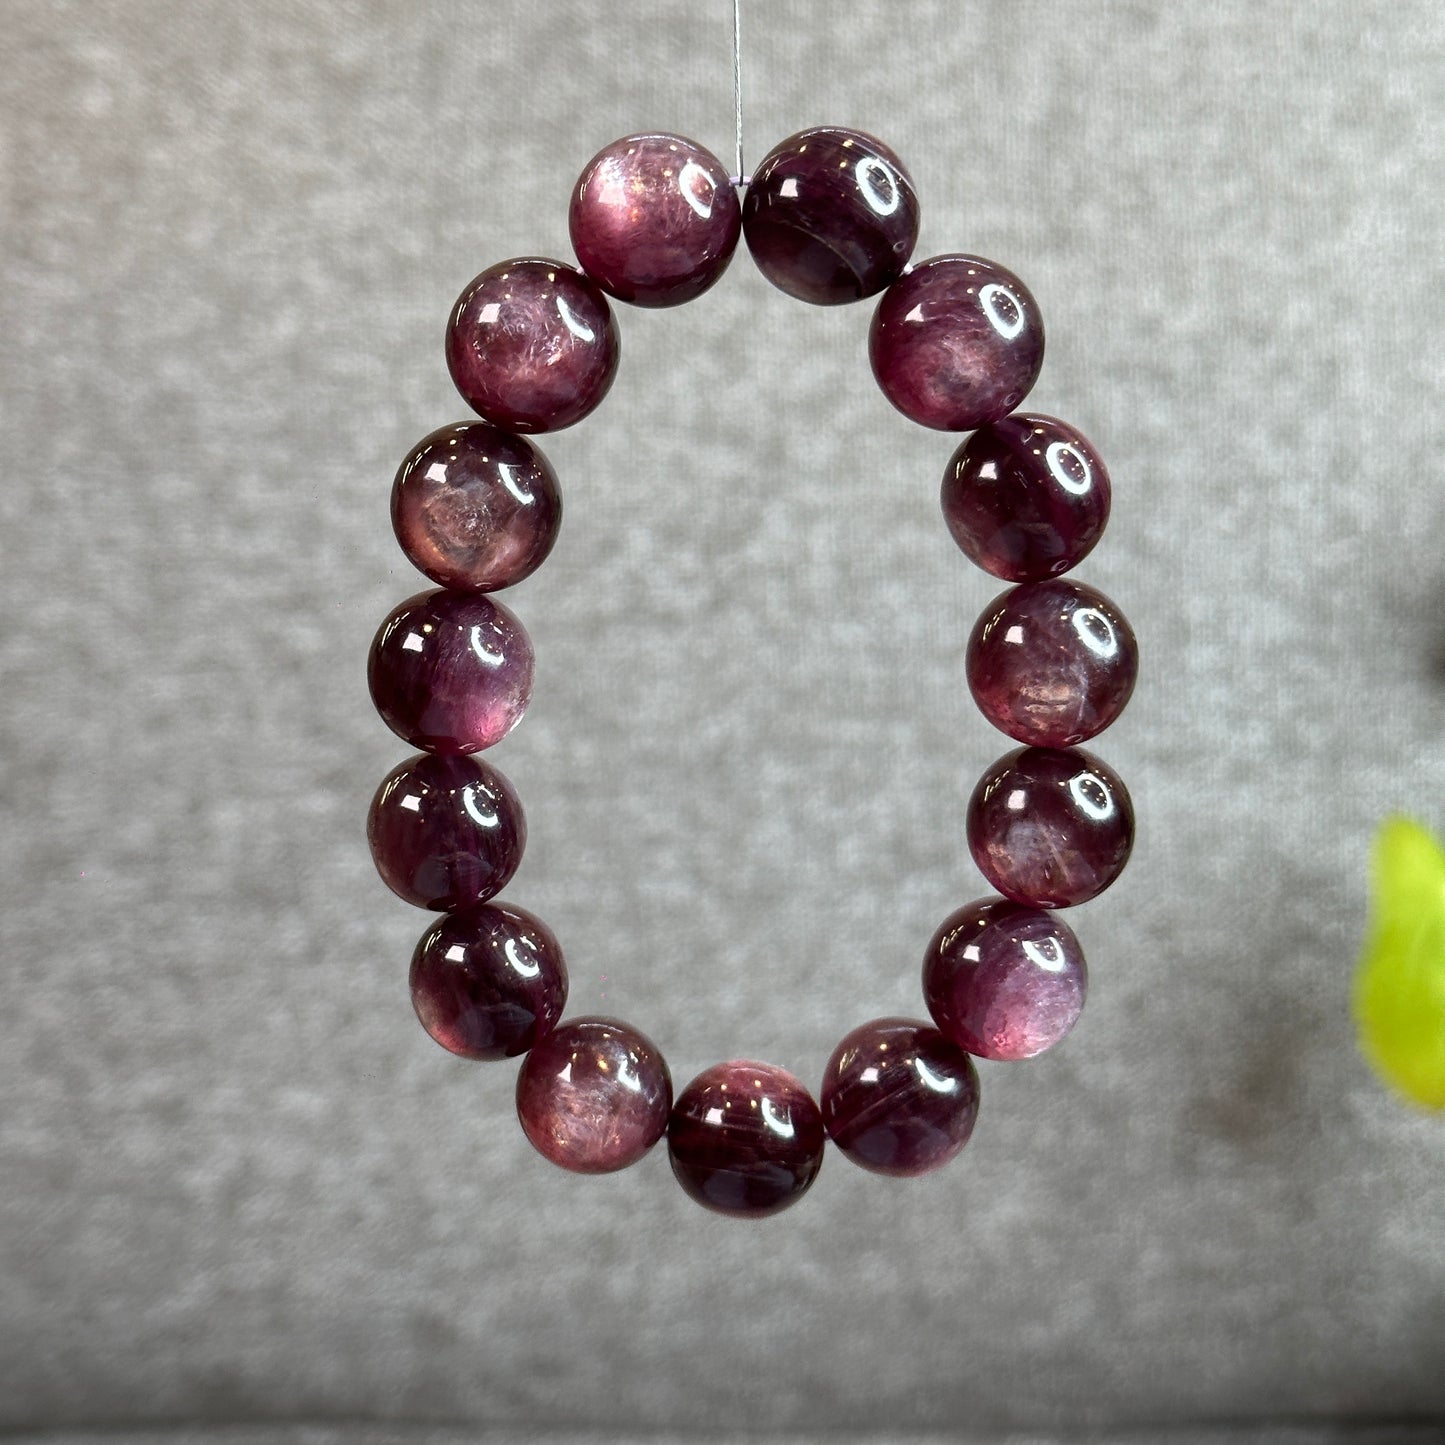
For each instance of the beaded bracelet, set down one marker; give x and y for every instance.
(830, 216)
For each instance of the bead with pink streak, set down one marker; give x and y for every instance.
(594, 1095)
(1004, 981)
(475, 507)
(450, 672)
(898, 1097)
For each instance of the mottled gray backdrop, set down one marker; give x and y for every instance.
(237, 1182)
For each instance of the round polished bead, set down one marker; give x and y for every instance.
(594, 1095)
(1050, 827)
(445, 832)
(745, 1139)
(488, 982)
(899, 1098)
(1051, 663)
(1026, 497)
(531, 345)
(956, 343)
(831, 215)
(654, 219)
(475, 507)
(450, 672)
(1004, 981)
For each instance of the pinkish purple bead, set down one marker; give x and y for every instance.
(445, 832)
(594, 1095)
(957, 343)
(745, 1139)
(654, 219)
(1050, 827)
(1052, 663)
(531, 345)
(831, 215)
(450, 672)
(475, 507)
(1004, 981)
(488, 982)
(1026, 497)
(899, 1098)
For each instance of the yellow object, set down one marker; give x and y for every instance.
(1400, 983)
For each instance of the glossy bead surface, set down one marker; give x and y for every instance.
(488, 982)
(450, 672)
(594, 1095)
(745, 1139)
(445, 832)
(1026, 497)
(531, 345)
(654, 219)
(1004, 981)
(475, 507)
(956, 343)
(1051, 663)
(1050, 827)
(831, 215)
(898, 1097)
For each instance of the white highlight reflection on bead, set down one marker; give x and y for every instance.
(879, 185)
(1017, 800)
(1055, 458)
(1051, 962)
(939, 1083)
(779, 1124)
(527, 967)
(573, 322)
(483, 652)
(1096, 632)
(988, 298)
(474, 809)
(1090, 793)
(697, 189)
(505, 471)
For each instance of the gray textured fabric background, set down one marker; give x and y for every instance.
(238, 1184)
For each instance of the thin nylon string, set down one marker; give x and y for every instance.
(738, 79)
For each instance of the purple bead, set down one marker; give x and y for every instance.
(899, 1098)
(1004, 981)
(654, 219)
(957, 343)
(1026, 497)
(531, 345)
(475, 507)
(1050, 827)
(445, 832)
(488, 982)
(594, 1096)
(745, 1139)
(450, 672)
(831, 215)
(1052, 663)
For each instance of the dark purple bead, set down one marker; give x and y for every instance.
(445, 832)
(1026, 497)
(488, 982)
(831, 215)
(475, 507)
(899, 1098)
(654, 219)
(594, 1096)
(450, 672)
(745, 1139)
(1050, 827)
(1052, 663)
(531, 345)
(1004, 981)
(957, 343)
